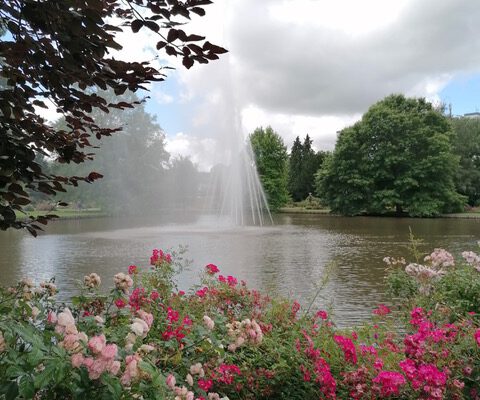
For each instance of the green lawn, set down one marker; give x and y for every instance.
(65, 213)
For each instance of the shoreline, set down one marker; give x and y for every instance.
(326, 212)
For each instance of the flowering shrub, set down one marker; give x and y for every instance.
(450, 287)
(222, 340)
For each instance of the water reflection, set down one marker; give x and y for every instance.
(288, 258)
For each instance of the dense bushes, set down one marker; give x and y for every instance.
(145, 339)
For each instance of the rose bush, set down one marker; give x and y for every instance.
(145, 339)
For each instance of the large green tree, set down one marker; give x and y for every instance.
(467, 147)
(398, 158)
(304, 162)
(132, 161)
(271, 159)
(61, 53)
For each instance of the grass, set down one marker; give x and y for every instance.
(64, 213)
(303, 210)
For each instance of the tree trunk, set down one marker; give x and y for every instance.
(398, 210)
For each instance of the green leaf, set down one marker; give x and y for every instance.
(113, 385)
(12, 391)
(45, 377)
(26, 387)
(35, 356)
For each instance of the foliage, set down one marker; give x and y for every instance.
(132, 161)
(182, 177)
(467, 147)
(271, 160)
(60, 53)
(438, 283)
(398, 158)
(146, 339)
(303, 164)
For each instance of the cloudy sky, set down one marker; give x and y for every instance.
(313, 66)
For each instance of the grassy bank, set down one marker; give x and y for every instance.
(474, 214)
(303, 210)
(66, 213)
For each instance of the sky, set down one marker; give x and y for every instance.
(311, 66)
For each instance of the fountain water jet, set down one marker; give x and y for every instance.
(236, 192)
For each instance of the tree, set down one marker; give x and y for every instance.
(304, 163)
(60, 53)
(294, 170)
(398, 158)
(132, 161)
(183, 183)
(467, 147)
(271, 159)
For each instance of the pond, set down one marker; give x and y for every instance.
(288, 258)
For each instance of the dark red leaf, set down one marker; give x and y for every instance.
(136, 25)
(213, 48)
(172, 35)
(161, 44)
(198, 11)
(194, 38)
(187, 62)
(152, 25)
(171, 51)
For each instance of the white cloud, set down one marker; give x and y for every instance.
(322, 129)
(310, 66)
(200, 151)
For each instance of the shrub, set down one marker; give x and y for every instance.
(145, 339)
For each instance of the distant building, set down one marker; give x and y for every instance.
(472, 115)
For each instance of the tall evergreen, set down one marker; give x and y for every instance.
(295, 168)
(304, 163)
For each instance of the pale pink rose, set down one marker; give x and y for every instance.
(66, 318)
(139, 327)
(70, 342)
(71, 329)
(189, 379)
(208, 322)
(146, 348)
(131, 370)
(109, 351)
(96, 369)
(189, 396)
(82, 336)
(51, 317)
(35, 312)
(88, 362)
(240, 341)
(98, 319)
(114, 367)
(195, 368)
(182, 392)
(147, 317)
(97, 343)
(171, 381)
(77, 360)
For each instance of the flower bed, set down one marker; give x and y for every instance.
(222, 340)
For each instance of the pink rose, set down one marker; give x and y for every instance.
(77, 360)
(109, 351)
(97, 343)
(171, 381)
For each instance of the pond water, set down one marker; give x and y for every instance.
(288, 258)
